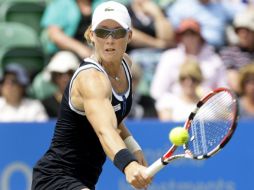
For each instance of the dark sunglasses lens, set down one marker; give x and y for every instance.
(119, 33)
(102, 33)
(116, 33)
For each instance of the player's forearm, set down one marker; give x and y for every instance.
(116, 149)
(105, 126)
(111, 143)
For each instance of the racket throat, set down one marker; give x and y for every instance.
(155, 167)
(163, 161)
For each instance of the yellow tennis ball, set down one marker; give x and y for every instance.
(178, 136)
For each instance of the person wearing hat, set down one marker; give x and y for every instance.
(190, 44)
(90, 125)
(238, 55)
(14, 105)
(61, 68)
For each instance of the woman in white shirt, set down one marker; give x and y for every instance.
(191, 43)
(177, 107)
(14, 106)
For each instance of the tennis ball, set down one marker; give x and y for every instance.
(178, 136)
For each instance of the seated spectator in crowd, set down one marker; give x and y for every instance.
(64, 23)
(191, 44)
(152, 34)
(0, 87)
(14, 105)
(61, 68)
(151, 29)
(177, 107)
(142, 105)
(246, 87)
(236, 56)
(213, 16)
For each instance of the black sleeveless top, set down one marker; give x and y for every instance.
(75, 149)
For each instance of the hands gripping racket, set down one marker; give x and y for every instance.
(210, 126)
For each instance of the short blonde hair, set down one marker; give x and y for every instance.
(245, 73)
(87, 35)
(190, 68)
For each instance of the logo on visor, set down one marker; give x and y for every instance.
(108, 9)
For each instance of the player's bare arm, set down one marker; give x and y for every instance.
(95, 92)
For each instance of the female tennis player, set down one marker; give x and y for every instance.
(90, 125)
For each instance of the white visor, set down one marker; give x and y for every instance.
(111, 10)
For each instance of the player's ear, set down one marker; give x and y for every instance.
(89, 35)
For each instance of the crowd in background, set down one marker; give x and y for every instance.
(181, 49)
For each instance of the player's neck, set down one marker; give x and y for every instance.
(113, 69)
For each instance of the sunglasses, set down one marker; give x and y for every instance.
(115, 33)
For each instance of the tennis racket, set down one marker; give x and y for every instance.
(210, 126)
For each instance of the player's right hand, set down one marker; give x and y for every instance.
(136, 175)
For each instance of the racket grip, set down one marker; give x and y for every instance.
(155, 167)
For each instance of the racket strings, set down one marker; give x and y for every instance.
(211, 123)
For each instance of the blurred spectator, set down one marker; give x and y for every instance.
(0, 87)
(152, 34)
(191, 44)
(213, 16)
(172, 107)
(142, 105)
(246, 84)
(95, 3)
(151, 29)
(14, 106)
(236, 56)
(241, 3)
(64, 23)
(61, 68)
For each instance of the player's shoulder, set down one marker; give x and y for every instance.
(91, 75)
(91, 83)
(90, 72)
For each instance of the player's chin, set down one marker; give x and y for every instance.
(109, 55)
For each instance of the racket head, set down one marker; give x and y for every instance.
(212, 124)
